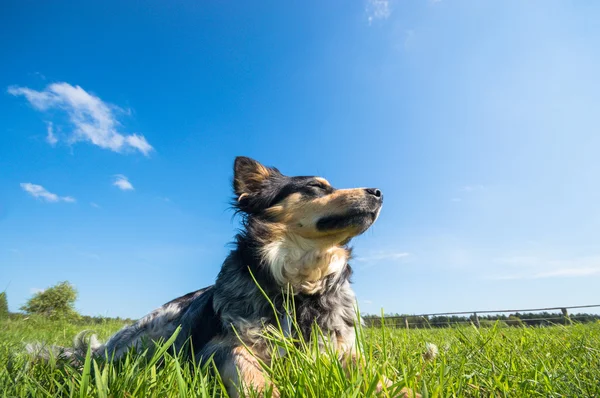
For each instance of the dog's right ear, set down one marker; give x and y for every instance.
(249, 176)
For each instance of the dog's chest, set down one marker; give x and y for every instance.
(333, 312)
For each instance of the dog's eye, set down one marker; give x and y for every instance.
(316, 184)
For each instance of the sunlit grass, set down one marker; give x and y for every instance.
(514, 362)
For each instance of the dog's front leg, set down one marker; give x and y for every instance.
(239, 369)
(350, 357)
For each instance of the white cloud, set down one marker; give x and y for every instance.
(472, 188)
(94, 205)
(89, 255)
(569, 272)
(122, 183)
(533, 267)
(467, 190)
(50, 137)
(138, 142)
(92, 119)
(378, 9)
(38, 191)
(383, 256)
(39, 75)
(36, 290)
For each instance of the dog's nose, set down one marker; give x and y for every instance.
(375, 192)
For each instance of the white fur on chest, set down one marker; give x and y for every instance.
(302, 264)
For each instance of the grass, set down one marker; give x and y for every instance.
(558, 361)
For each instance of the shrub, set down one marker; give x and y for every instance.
(3, 306)
(56, 302)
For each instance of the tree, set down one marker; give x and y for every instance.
(3, 306)
(56, 302)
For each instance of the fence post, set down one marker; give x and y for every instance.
(565, 313)
(476, 320)
(406, 322)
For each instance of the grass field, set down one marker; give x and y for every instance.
(509, 362)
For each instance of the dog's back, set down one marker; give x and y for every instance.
(193, 312)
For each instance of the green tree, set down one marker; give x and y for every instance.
(56, 302)
(514, 320)
(3, 306)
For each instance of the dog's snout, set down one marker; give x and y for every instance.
(375, 192)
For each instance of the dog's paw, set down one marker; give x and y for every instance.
(403, 393)
(385, 382)
(274, 393)
(269, 390)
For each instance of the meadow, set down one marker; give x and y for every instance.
(556, 361)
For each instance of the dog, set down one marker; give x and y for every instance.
(295, 235)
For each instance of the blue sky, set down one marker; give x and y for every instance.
(478, 120)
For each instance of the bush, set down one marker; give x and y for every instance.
(514, 321)
(3, 306)
(488, 323)
(56, 302)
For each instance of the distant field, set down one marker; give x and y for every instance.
(508, 362)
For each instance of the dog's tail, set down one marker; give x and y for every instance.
(74, 355)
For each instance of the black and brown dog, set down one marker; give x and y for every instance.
(295, 234)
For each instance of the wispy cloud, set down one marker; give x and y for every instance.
(91, 119)
(36, 290)
(38, 191)
(50, 137)
(383, 256)
(532, 267)
(38, 75)
(94, 205)
(378, 9)
(467, 190)
(569, 272)
(472, 188)
(123, 183)
(91, 256)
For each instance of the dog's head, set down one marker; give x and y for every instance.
(307, 208)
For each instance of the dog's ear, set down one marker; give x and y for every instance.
(249, 176)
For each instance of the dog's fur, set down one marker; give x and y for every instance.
(295, 235)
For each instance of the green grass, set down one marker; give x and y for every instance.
(513, 362)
